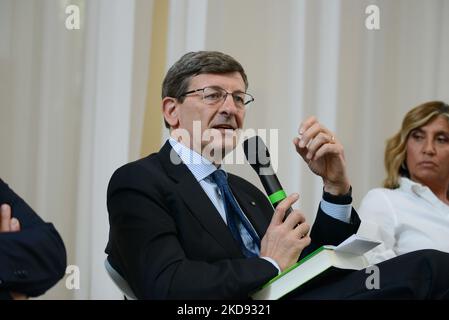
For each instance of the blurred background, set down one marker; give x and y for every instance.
(75, 104)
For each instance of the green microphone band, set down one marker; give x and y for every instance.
(277, 196)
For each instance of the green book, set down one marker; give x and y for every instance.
(348, 255)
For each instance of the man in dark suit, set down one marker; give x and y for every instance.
(32, 254)
(182, 228)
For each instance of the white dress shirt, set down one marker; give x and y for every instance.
(406, 219)
(202, 169)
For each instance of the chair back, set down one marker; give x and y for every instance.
(119, 281)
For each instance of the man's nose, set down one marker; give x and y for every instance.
(229, 105)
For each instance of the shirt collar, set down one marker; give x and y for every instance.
(420, 190)
(411, 186)
(200, 167)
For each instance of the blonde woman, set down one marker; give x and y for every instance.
(411, 212)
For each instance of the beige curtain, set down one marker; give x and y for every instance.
(71, 112)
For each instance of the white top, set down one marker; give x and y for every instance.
(406, 219)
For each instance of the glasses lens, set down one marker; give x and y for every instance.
(212, 95)
(247, 98)
(241, 99)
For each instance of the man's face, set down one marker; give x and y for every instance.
(428, 153)
(211, 128)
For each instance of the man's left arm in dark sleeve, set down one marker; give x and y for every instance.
(33, 259)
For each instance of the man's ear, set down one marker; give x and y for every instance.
(170, 112)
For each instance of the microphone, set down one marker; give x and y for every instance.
(258, 157)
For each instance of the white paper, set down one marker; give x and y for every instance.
(356, 244)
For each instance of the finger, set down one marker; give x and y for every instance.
(305, 241)
(5, 218)
(327, 149)
(312, 129)
(306, 124)
(320, 140)
(295, 218)
(309, 135)
(279, 213)
(302, 151)
(14, 225)
(302, 230)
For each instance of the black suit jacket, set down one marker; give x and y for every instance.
(169, 242)
(33, 259)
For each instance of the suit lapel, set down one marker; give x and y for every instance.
(197, 200)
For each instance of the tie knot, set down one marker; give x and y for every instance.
(220, 178)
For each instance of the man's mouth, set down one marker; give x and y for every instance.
(223, 127)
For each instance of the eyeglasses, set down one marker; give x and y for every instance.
(213, 95)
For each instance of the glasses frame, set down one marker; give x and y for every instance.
(224, 97)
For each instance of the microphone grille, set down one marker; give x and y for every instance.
(256, 153)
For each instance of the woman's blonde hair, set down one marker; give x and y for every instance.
(396, 148)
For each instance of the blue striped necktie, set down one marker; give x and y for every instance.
(234, 214)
